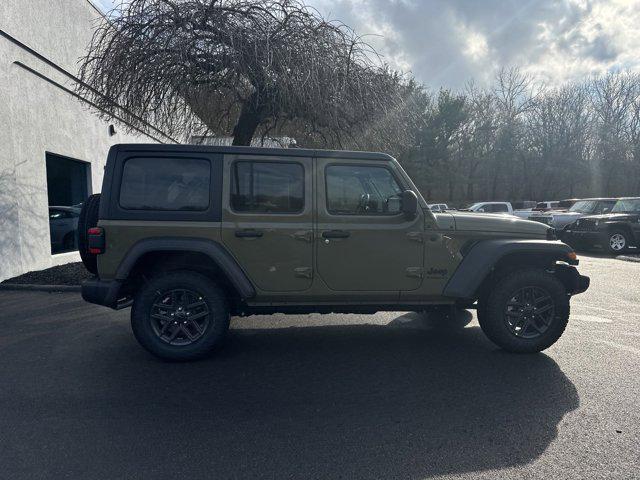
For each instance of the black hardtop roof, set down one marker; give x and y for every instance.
(284, 152)
(612, 199)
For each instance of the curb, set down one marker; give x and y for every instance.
(39, 288)
(628, 258)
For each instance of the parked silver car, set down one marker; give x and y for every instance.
(63, 226)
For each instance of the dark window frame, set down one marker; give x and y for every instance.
(110, 206)
(364, 215)
(233, 178)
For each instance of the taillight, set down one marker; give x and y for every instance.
(95, 240)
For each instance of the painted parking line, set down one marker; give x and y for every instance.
(620, 346)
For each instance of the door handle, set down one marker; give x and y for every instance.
(249, 233)
(335, 234)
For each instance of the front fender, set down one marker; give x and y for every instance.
(481, 259)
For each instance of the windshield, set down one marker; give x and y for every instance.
(631, 205)
(584, 206)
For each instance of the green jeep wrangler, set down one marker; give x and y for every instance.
(190, 235)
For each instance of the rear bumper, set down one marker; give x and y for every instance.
(102, 292)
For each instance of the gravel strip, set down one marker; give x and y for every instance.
(40, 288)
(68, 274)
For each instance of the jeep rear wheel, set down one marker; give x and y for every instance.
(180, 316)
(527, 311)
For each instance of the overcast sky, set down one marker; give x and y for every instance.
(449, 42)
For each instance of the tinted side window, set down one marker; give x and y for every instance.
(497, 207)
(267, 187)
(168, 184)
(361, 190)
(602, 206)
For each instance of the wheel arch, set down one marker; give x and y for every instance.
(489, 259)
(158, 254)
(621, 226)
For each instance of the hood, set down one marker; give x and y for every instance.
(624, 217)
(568, 214)
(487, 222)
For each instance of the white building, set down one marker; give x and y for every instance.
(53, 146)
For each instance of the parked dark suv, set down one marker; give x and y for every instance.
(191, 235)
(615, 231)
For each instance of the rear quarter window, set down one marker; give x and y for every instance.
(165, 184)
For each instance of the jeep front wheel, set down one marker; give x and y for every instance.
(180, 316)
(527, 311)
(617, 242)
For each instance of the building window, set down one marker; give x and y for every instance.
(68, 186)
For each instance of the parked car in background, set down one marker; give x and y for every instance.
(490, 207)
(588, 206)
(615, 231)
(505, 208)
(546, 206)
(438, 207)
(524, 204)
(523, 208)
(566, 204)
(63, 226)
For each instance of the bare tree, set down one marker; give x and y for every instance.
(612, 97)
(238, 67)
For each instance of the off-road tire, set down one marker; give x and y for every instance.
(492, 307)
(88, 219)
(609, 239)
(212, 295)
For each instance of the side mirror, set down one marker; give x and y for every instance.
(606, 210)
(481, 210)
(409, 203)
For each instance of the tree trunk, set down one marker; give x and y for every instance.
(247, 123)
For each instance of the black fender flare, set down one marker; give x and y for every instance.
(625, 226)
(480, 260)
(212, 249)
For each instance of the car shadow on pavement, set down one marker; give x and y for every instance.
(411, 399)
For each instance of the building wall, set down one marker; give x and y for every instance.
(40, 43)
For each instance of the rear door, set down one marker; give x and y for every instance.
(267, 219)
(365, 242)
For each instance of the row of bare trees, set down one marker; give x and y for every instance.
(257, 68)
(518, 140)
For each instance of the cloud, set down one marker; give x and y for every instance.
(450, 42)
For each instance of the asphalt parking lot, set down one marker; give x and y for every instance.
(340, 396)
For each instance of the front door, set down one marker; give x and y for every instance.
(365, 243)
(267, 220)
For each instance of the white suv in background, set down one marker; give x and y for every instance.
(438, 207)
